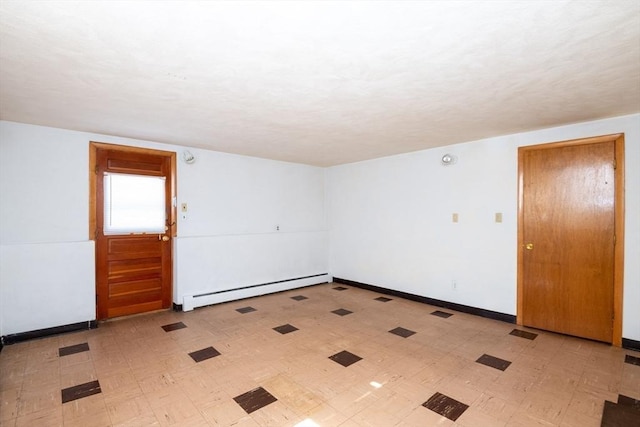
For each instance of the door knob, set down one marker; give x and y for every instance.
(529, 246)
(165, 238)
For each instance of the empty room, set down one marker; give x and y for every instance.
(320, 213)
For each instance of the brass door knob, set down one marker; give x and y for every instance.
(529, 246)
(165, 238)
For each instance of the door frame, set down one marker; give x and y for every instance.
(618, 250)
(173, 212)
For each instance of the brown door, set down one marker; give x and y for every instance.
(567, 229)
(134, 220)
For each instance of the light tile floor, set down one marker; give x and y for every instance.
(147, 376)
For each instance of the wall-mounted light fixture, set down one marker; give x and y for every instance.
(188, 158)
(449, 159)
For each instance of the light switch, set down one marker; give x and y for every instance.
(498, 216)
(454, 217)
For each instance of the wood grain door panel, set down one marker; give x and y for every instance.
(134, 166)
(134, 267)
(141, 286)
(133, 270)
(134, 246)
(568, 195)
(541, 298)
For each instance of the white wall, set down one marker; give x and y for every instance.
(228, 240)
(235, 205)
(46, 285)
(390, 219)
(390, 222)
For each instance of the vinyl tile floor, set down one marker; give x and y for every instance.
(315, 356)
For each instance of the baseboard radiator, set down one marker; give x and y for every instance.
(200, 300)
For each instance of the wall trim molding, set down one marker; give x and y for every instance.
(630, 344)
(509, 318)
(627, 343)
(46, 332)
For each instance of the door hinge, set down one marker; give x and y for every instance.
(615, 163)
(614, 240)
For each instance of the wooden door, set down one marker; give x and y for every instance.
(133, 246)
(567, 235)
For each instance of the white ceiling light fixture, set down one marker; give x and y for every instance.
(449, 159)
(188, 157)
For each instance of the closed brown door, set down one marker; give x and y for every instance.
(133, 200)
(567, 238)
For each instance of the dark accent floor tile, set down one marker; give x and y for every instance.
(383, 299)
(628, 401)
(79, 391)
(341, 312)
(204, 354)
(245, 310)
(73, 349)
(174, 327)
(299, 297)
(493, 362)
(442, 314)
(617, 415)
(285, 329)
(402, 332)
(632, 360)
(445, 406)
(340, 288)
(345, 358)
(523, 334)
(255, 399)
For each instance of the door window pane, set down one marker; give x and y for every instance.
(133, 204)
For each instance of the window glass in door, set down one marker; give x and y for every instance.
(134, 204)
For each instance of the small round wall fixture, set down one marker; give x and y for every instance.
(188, 157)
(449, 159)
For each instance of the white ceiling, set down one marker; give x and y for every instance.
(321, 83)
